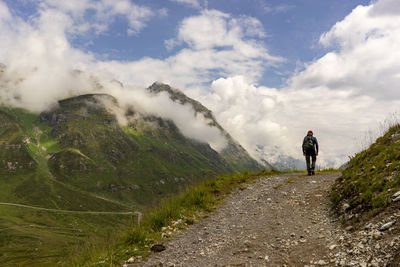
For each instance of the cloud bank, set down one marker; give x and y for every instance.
(218, 59)
(341, 96)
(41, 65)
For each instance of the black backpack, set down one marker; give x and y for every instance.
(308, 145)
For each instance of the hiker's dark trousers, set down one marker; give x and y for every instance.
(311, 165)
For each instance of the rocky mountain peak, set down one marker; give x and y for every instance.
(234, 152)
(178, 96)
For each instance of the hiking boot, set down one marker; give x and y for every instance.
(309, 173)
(313, 173)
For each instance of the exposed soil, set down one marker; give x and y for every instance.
(283, 220)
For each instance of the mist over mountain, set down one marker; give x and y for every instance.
(94, 142)
(232, 150)
(100, 153)
(24, 88)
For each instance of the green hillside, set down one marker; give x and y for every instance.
(39, 237)
(75, 160)
(370, 178)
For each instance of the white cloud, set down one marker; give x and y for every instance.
(274, 9)
(103, 14)
(192, 3)
(367, 57)
(191, 125)
(217, 45)
(40, 63)
(341, 96)
(277, 120)
(4, 12)
(213, 28)
(387, 7)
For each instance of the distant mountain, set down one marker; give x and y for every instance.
(278, 160)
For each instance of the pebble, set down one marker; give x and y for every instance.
(345, 206)
(321, 263)
(386, 226)
(376, 234)
(348, 228)
(131, 260)
(396, 199)
(395, 195)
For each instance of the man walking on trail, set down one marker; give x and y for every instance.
(310, 151)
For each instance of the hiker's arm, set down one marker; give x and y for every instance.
(316, 145)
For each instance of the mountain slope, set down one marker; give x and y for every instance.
(77, 157)
(80, 146)
(26, 177)
(147, 157)
(38, 237)
(233, 153)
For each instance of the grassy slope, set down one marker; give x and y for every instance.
(371, 177)
(32, 237)
(42, 238)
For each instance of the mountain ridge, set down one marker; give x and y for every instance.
(234, 150)
(77, 156)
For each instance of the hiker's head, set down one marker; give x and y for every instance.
(309, 132)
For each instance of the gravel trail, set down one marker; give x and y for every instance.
(276, 221)
(283, 220)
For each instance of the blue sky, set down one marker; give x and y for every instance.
(269, 70)
(293, 29)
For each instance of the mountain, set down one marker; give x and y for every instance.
(76, 159)
(236, 156)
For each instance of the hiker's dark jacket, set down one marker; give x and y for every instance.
(315, 143)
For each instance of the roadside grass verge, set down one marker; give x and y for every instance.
(370, 179)
(170, 216)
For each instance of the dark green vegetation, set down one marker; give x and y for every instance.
(371, 177)
(182, 210)
(76, 157)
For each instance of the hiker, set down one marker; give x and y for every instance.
(310, 151)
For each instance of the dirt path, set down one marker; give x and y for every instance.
(74, 211)
(278, 221)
